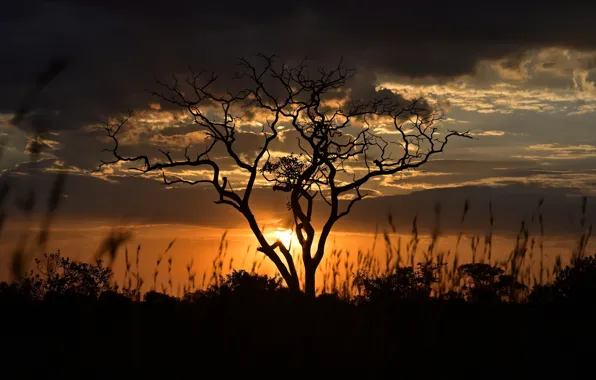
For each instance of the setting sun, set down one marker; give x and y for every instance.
(284, 235)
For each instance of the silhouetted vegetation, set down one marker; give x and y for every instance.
(79, 318)
(369, 314)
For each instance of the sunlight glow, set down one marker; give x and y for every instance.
(284, 235)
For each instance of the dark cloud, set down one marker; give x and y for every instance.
(95, 59)
(114, 50)
(511, 206)
(143, 201)
(362, 88)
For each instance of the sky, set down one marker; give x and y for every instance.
(520, 76)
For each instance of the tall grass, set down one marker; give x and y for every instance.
(526, 262)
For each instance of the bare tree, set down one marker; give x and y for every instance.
(336, 135)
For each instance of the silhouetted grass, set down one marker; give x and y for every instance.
(247, 319)
(340, 267)
(417, 305)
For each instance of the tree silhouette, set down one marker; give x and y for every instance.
(488, 283)
(405, 283)
(336, 133)
(58, 275)
(576, 283)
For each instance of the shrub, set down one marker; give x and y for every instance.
(240, 284)
(488, 283)
(575, 283)
(59, 275)
(405, 283)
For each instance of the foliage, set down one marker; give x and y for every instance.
(488, 283)
(157, 298)
(57, 275)
(286, 171)
(576, 283)
(240, 284)
(406, 283)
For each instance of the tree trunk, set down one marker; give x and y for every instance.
(293, 284)
(309, 280)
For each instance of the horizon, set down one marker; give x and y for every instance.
(525, 94)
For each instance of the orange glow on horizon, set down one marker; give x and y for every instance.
(285, 236)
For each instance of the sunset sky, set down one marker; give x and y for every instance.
(520, 77)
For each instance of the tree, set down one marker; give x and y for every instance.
(244, 285)
(576, 283)
(334, 134)
(58, 275)
(488, 283)
(405, 283)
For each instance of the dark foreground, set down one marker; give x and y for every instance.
(70, 322)
(71, 337)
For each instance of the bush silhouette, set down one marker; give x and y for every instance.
(239, 284)
(243, 315)
(488, 283)
(405, 283)
(57, 275)
(545, 294)
(156, 298)
(576, 283)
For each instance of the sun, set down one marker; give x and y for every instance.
(284, 235)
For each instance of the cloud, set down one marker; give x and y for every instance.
(546, 80)
(489, 133)
(584, 109)
(177, 141)
(511, 205)
(447, 174)
(159, 205)
(501, 98)
(490, 68)
(115, 51)
(560, 152)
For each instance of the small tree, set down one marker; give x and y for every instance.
(59, 275)
(576, 283)
(485, 282)
(405, 283)
(244, 284)
(335, 134)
